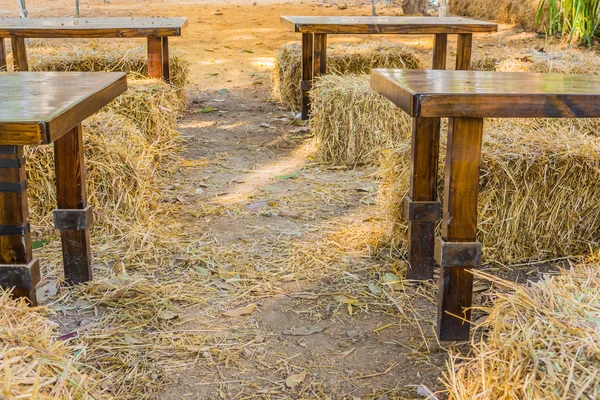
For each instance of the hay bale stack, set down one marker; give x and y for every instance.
(343, 59)
(520, 12)
(132, 60)
(538, 190)
(352, 123)
(33, 362)
(120, 175)
(542, 342)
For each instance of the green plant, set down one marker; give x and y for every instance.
(578, 18)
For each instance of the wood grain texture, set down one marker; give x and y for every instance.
(307, 72)
(320, 54)
(440, 49)
(386, 25)
(423, 187)
(2, 55)
(155, 57)
(464, 48)
(14, 211)
(166, 71)
(39, 107)
(70, 194)
(91, 27)
(481, 94)
(19, 51)
(459, 223)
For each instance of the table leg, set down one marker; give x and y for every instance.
(440, 49)
(166, 73)
(18, 269)
(19, 51)
(307, 72)
(73, 217)
(421, 206)
(155, 57)
(320, 54)
(2, 55)
(463, 51)
(457, 250)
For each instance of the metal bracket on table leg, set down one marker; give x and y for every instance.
(77, 219)
(21, 276)
(457, 254)
(422, 210)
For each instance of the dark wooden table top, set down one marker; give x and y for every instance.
(387, 25)
(422, 93)
(91, 27)
(40, 107)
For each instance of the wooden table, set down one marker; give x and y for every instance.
(156, 30)
(41, 108)
(315, 30)
(466, 97)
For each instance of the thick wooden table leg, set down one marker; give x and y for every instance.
(320, 54)
(422, 207)
(18, 269)
(19, 51)
(440, 49)
(458, 250)
(166, 73)
(155, 57)
(2, 55)
(307, 73)
(73, 216)
(463, 51)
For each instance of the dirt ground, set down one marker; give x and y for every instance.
(320, 330)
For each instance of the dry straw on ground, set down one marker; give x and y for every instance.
(132, 60)
(542, 342)
(538, 190)
(352, 123)
(34, 364)
(343, 59)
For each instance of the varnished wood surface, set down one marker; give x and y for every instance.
(386, 25)
(480, 94)
(39, 107)
(91, 27)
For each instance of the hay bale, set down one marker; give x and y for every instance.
(33, 362)
(520, 12)
(352, 123)
(538, 190)
(542, 342)
(120, 175)
(154, 107)
(132, 60)
(343, 59)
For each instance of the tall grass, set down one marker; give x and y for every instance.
(577, 18)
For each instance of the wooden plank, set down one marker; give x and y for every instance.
(459, 224)
(16, 249)
(423, 187)
(91, 27)
(440, 49)
(482, 94)
(320, 54)
(307, 73)
(67, 99)
(70, 194)
(464, 49)
(166, 66)
(3, 63)
(19, 51)
(155, 57)
(386, 25)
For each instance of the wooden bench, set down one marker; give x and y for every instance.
(41, 108)
(314, 32)
(156, 30)
(466, 97)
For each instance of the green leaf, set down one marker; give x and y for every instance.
(223, 91)
(288, 176)
(38, 244)
(207, 110)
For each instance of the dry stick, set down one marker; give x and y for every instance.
(380, 373)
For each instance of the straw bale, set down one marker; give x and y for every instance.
(33, 362)
(122, 58)
(538, 190)
(520, 12)
(541, 341)
(120, 174)
(343, 59)
(352, 123)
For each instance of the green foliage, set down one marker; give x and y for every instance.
(577, 18)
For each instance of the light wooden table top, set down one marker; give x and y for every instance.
(91, 27)
(40, 107)
(387, 25)
(438, 93)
